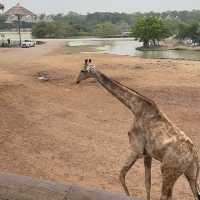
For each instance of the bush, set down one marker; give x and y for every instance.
(53, 30)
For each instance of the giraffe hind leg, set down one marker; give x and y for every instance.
(170, 174)
(191, 174)
(147, 164)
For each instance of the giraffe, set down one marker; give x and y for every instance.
(152, 136)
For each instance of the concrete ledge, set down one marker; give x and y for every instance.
(13, 187)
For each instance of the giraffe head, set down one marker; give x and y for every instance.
(86, 72)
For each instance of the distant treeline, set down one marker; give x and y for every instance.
(104, 24)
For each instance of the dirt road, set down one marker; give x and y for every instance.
(57, 130)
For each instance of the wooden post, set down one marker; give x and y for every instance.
(19, 27)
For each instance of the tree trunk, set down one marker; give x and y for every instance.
(146, 44)
(154, 43)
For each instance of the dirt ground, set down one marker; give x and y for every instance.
(58, 130)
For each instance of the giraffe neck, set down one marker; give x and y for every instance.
(131, 99)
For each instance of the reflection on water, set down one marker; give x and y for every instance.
(171, 54)
(127, 46)
(119, 46)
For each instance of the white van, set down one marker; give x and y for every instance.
(28, 44)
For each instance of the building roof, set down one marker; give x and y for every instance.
(19, 11)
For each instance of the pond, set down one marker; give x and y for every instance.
(127, 46)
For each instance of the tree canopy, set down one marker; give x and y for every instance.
(53, 30)
(150, 31)
(104, 24)
(189, 31)
(106, 29)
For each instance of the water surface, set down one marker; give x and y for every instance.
(127, 46)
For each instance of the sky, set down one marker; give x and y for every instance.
(85, 6)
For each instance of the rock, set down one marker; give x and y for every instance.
(43, 76)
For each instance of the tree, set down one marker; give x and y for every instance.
(106, 29)
(189, 31)
(150, 31)
(53, 30)
(182, 32)
(40, 30)
(155, 26)
(194, 33)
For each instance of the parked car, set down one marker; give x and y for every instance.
(28, 44)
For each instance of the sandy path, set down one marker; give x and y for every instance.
(78, 134)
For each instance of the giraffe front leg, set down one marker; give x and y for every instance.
(128, 164)
(147, 164)
(137, 151)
